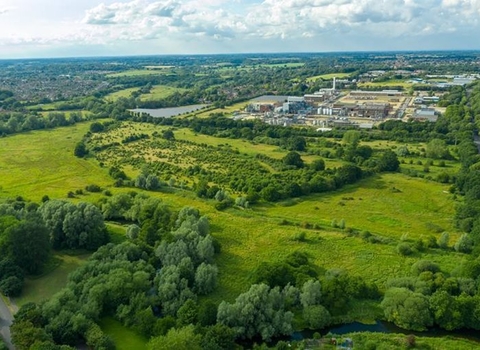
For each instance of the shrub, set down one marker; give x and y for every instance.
(404, 249)
(93, 188)
(424, 265)
(300, 236)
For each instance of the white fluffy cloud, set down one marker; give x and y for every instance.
(288, 18)
(246, 25)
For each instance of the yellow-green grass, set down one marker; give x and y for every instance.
(44, 287)
(116, 232)
(242, 146)
(157, 92)
(138, 72)
(392, 341)
(252, 236)
(123, 337)
(402, 83)
(126, 93)
(45, 106)
(451, 167)
(329, 76)
(248, 241)
(161, 91)
(41, 163)
(227, 110)
(390, 205)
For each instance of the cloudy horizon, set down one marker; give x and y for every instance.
(47, 28)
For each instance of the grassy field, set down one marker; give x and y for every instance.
(403, 83)
(388, 205)
(126, 93)
(397, 341)
(124, 338)
(139, 72)
(329, 76)
(44, 287)
(42, 163)
(227, 110)
(158, 92)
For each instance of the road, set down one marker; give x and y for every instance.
(6, 320)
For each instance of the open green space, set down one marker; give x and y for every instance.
(329, 76)
(392, 206)
(138, 72)
(41, 288)
(42, 163)
(227, 110)
(402, 83)
(157, 92)
(123, 337)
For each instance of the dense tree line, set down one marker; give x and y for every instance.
(16, 122)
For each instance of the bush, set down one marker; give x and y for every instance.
(300, 237)
(404, 249)
(93, 188)
(11, 286)
(424, 265)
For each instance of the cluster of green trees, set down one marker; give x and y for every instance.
(288, 287)
(28, 233)
(149, 289)
(432, 298)
(16, 122)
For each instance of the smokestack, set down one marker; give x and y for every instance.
(334, 83)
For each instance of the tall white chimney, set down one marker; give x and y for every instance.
(334, 83)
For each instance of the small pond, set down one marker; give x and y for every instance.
(169, 112)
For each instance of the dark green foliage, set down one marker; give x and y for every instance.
(80, 150)
(11, 286)
(293, 159)
(316, 317)
(295, 269)
(388, 161)
(404, 249)
(207, 313)
(26, 244)
(424, 265)
(187, 314)
(407, 309)
(318, 165)
(168, 135)
(74, 226)
(96, 127)
(258, 312)
(218, 337)
(93, 188)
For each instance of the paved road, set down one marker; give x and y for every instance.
(6, 320)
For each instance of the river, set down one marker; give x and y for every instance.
(386, 327)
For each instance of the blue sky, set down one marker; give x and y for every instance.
(52, 28)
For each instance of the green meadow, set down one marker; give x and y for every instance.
(158, 92)
(124, 338)
(329, 76)
(42, 163)
(139, 72)
(43, 287)
(392, 206)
